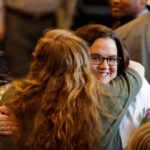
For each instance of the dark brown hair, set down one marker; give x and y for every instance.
(90, 33)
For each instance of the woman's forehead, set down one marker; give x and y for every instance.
(104, 45)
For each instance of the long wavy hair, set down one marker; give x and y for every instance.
(141, 138)
(60, 90)
(90, 33)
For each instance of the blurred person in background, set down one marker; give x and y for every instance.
(22, 23)
(148, 4)
(124, 11)
(136, 35)
(2, 30)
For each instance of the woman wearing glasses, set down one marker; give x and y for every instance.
(109, 59)
(55, 103)
(104, 59)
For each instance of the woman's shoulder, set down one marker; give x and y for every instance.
(139, 68)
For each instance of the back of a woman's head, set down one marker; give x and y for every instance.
(141, 138)
(68, 117)
(90, 33)
(63, 88)
(60, 58)
(58, 53)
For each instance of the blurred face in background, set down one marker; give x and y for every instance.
(104, 59)
(123, 8)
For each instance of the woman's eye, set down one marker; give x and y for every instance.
(95, 58)
(112, 59)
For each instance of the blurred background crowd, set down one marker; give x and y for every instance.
(116, 26)
(23, 22)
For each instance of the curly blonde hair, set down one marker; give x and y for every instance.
(60, 90)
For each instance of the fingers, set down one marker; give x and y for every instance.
(9, 123)
(6, 120)
(8, 130)
(5, 110)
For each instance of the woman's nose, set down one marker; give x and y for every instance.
(104, 64)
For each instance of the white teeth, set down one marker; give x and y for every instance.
(103, 73)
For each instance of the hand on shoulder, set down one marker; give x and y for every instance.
(138, 68)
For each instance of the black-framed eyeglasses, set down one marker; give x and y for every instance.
(97, 59)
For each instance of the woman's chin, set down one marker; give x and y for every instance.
(103, 80)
